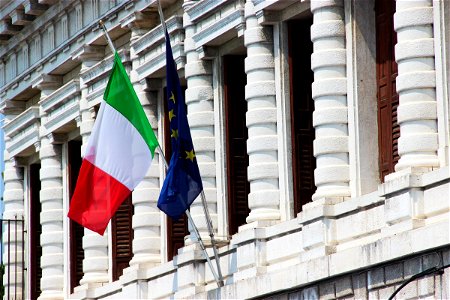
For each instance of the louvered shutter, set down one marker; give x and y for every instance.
(76, 231)
(236, 138)
(122, 237)
(35, 232)
(176, 230)
(388, 129)
(302, 107)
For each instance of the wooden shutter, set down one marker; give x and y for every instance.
(388, 129)
(235, 80)
(35, 231)
(76, 254)
(122, 237)
(302, 107)
(176, 230)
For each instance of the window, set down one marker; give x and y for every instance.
(387, 97)
(235, 80)
(76, 254)
(35, 230)
(122, 237)
(302, 107)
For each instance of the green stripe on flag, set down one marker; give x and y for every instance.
(120, 94)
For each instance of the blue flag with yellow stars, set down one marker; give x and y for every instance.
(183, 182)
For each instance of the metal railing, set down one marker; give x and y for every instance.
(13, 242)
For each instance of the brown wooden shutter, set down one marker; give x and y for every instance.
(302, 107)
(388, 129)
(235, 80)
(76, 254)
(35, 232)
(176, 230)
(122, 237)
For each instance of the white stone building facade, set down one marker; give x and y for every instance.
(321, 130)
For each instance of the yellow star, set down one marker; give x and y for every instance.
(172, 97)
(190, 155)
(171, 115)
(174, 133)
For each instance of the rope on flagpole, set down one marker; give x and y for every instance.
(203, 197)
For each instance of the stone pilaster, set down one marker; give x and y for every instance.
(147, 216)
(200, 103)
(329, 91)
(12, 235)
(95, 263)
(261, 119)
(52, 214)
(416, 84)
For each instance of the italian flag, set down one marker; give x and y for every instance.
(118, 154)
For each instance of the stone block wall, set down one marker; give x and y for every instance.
(382, 281)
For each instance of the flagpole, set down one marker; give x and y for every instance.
(218, 278)
(204, 204)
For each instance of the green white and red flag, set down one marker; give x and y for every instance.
(118, 154)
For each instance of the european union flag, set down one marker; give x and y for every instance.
(183, 182)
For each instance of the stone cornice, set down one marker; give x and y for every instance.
(204, 8)
(155, 37)
(102, 68)
(61, 96)
(22, 121)
(222, 28)
(23, 132)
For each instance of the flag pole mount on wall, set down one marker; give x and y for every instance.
(218, 277)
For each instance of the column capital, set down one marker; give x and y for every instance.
(47, 82)
(89, 53)
(151, 84)
(140, 20)
(57, 138)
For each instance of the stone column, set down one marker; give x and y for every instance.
(261, 118)
(96, 262)
(13, 197)
(416, 84)
(200, 103)
(51, 197)
(147, 216)
(329, 91)
(52, 237)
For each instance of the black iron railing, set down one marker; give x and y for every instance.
(13, 245)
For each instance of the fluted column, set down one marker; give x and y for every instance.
(52, 237)
(147, 216)
(200, 103)
(329, 91)
(13, 197)
(261, 119)
(95, 246)
(416, 84)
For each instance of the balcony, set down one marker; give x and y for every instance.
(23, 132)
(60, 109)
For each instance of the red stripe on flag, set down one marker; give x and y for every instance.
(96, 198)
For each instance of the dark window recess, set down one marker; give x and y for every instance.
(235, 80)
(76, 231)
(388, 129)
(122, 237)
(35, 231)
(302, 107)
(176, 230)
